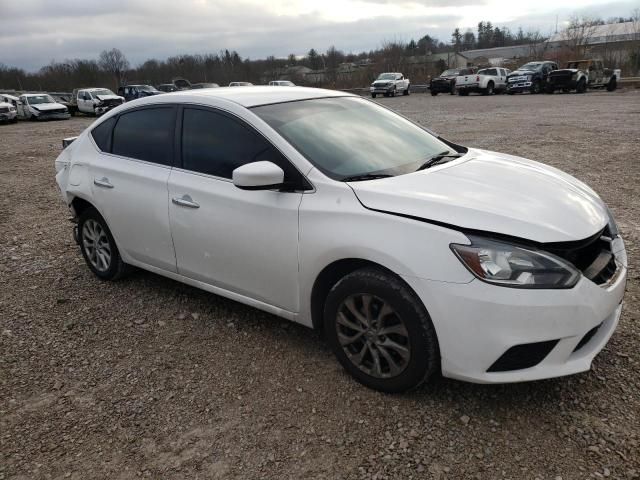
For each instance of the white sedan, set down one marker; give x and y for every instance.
(410, 253)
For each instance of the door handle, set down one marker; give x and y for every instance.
(185, 201)
(103, 182)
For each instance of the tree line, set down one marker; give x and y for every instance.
(112, 68)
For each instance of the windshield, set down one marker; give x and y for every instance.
(387, 76)
(104, 91)
(36, 99)
(346, 136)
(146, 88)
(577, 65)
(531, 67)
(449, 73)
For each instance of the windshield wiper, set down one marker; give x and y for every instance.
(365, 176)
(437, 158)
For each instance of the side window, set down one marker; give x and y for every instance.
(102, 134)
(145, 134)
(215, 144)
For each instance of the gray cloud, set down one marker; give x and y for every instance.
(42, 30)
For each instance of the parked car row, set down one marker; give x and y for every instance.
(534, 77)
(93, 101)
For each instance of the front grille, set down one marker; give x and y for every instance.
(523, 356)
(4, 109)
(588, 336)
(593, 257)
(560, 77)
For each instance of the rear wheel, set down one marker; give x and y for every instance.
(433, 94)
(489, 89)
(99, 247)
(380, 331)
(373, 95)
(612, 85)
(407, 91)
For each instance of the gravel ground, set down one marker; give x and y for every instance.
(150, 378)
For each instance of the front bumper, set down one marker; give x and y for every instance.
(8, 117)
(381, 89)
(53, 116)
(563, 84)
(519, 86)
(441, 87)
(478, 323)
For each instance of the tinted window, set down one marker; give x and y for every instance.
(215, 144)
(145, 134)
(102, 134)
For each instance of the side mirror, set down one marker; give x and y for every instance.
(258, 176)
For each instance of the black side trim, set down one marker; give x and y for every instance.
(523, 356)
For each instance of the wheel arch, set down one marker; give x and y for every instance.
(331, 274)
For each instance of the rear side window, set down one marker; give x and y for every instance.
(102, 134)
(216, 144)
(145, 134)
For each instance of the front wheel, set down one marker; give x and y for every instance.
(380, 331)
(373, 95)
(433, 94)
(612, 85)
(535, 88)
(582, 86)
(98, 246)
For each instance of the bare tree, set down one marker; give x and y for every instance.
(114, 62)
(578, 32)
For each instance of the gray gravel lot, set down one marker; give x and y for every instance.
(150, 378)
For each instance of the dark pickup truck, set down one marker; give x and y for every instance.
(446, 82)
(530, 77)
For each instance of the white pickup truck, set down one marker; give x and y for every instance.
(487, 81)
(390, 84)
(93, 101)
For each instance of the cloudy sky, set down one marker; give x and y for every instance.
(34, 32)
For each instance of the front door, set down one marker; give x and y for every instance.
(242, 241)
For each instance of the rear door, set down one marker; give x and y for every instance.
(130, 178)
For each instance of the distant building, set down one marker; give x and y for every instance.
(500, 56)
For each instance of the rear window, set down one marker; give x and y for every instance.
(102, 134)
(145, 134)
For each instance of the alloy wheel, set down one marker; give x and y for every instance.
(96, 245)
(373, 336)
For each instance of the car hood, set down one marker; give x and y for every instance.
(382, 82)
(519, 73)
(45, 107)
(492, 192)
(563, 70)
(103, 98)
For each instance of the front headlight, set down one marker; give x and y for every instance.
(529, 77)
(509, 265)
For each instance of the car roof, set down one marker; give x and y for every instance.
(253, 96)
(34, 94)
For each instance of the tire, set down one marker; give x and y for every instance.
(105, 263)
(612, 85)
(582, 86)
(489, 90)
(407, 91)
(536, 88)
(407, 354)
(434, 94)
(393, 92)
(373, 95)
